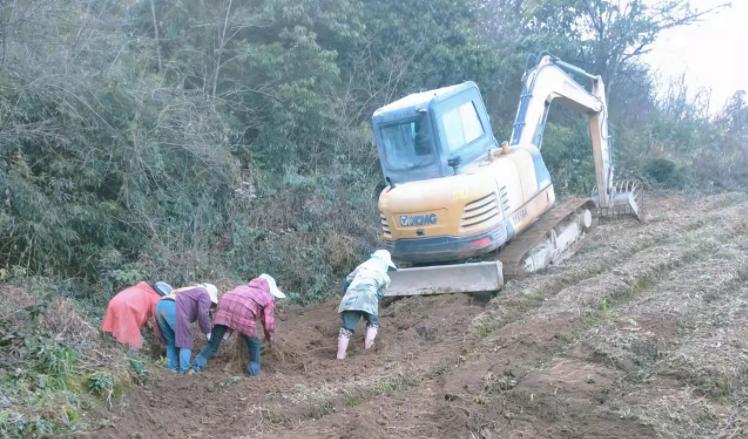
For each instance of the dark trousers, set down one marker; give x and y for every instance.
(216, 337)
(349, 320)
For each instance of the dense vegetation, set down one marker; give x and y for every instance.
(214, 139)
(197, 139)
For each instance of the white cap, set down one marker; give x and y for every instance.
(274, 290)
(384, 256)
(212, 292)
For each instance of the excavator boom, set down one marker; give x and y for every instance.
(549, 81)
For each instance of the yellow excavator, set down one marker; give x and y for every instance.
(463, 211)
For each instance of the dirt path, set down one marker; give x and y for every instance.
(643, 333)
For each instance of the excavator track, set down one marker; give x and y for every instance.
(513, 256)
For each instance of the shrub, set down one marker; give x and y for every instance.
(665, 172)
(50, 364)
(101, 384)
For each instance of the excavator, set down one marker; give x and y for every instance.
(462, 211)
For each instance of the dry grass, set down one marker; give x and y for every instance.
(682, 344)
(54, 364)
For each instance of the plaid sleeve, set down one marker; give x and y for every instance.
(268, 315)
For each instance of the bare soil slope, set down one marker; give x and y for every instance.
(643, 333)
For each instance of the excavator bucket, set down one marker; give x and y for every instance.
(625, 198)
(477, 277)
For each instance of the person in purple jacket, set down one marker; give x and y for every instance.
(175, 313)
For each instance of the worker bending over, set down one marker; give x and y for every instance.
(131, 309)
(364, 289)
(239, 310)
(176, 312)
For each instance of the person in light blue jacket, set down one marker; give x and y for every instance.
(365, 288)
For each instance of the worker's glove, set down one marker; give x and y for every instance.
(208, 336)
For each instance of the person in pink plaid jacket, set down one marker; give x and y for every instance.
(239, 310)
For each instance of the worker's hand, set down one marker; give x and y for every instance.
(208, 336)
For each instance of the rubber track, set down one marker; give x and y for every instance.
(513, 255)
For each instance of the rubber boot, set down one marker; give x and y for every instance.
(253, 368)
(253, 346)
(371, 334)
(343, 345)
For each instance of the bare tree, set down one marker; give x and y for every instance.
(620, 31)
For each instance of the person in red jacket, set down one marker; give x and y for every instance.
(132, 308)
(239, 310)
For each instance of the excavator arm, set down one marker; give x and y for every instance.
(550, 80)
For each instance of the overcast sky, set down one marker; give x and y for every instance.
(712, 53)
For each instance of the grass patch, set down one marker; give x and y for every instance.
(275, 418)
(353, 401)
(529, 301)
(486, 326)
(101, 384)
(138, 370)
(603, 313)
(493, 384)
(320, 408)
(363, 394)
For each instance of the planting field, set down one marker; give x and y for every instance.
(643, 333)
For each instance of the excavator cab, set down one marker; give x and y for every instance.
(432, 134)
(436, 207)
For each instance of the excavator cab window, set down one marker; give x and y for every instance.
(432, 134)
(461, 126)
(408, 144)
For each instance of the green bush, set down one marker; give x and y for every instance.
(55, 364)
(100, 383)
(138, 370)
(664, 172)
(14, 425)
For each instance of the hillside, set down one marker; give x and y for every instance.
(641, 334)
(192, 141)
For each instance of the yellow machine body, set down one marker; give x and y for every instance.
(468, 214)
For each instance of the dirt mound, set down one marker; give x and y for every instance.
(640, 334)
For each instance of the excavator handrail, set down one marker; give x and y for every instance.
(574, 69)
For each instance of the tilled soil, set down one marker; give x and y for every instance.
(643, 333)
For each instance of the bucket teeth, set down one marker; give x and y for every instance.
(626, 198)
